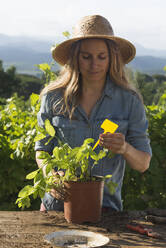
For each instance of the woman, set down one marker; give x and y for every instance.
(92, 86)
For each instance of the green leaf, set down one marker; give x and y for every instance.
(38, 177)
(88, 141)
(41, 193)
(56, 152)
(32, 174)
(100, 155)
(49, 167)
(108, 176)
(23, 202)
(111, 186)
(39, 137)
(34, 99)
(49, 128)
(26, 191)
(35, 194)
(12, 156)
(66, 34)
(43, 155)
(44, 67)
(79, 155)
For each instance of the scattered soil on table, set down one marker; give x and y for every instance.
(26, 229)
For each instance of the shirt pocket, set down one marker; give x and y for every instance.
(122, 126)
(64, 129)
(72, 132)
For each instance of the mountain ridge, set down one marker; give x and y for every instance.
(25, 52)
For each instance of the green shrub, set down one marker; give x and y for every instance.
(18, 127)
(148, 190)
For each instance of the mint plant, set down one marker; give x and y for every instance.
(75, 163)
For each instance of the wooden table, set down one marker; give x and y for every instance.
(26, 229)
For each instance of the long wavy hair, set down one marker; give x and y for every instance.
(69, 79)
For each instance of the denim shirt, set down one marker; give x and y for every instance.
(116, 104)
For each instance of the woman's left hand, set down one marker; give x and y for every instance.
(114, 142)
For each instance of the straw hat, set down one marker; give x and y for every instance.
(94, 26)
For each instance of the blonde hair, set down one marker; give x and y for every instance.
(69, 81)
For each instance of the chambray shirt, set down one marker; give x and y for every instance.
(116, 104)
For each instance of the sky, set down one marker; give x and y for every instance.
(140, 21)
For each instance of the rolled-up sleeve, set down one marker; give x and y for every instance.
(44, 114)
(137, 134)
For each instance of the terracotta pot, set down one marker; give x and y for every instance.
(84, 201)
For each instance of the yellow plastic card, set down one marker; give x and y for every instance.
(109, 127)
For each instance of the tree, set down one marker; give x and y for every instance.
(23, 85)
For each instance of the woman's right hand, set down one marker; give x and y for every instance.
(58, 193)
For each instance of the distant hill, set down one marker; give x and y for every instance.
(142, 51)
(26, 52)
(23, 59)
(148, 64)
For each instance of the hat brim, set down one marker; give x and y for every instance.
(60, 53)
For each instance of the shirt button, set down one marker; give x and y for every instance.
(89, 125)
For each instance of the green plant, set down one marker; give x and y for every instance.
(147, 190)
(17, 156)
(75, 162)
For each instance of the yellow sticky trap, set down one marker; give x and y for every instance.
(109, 127)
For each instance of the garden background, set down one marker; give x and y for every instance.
(18, 108)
